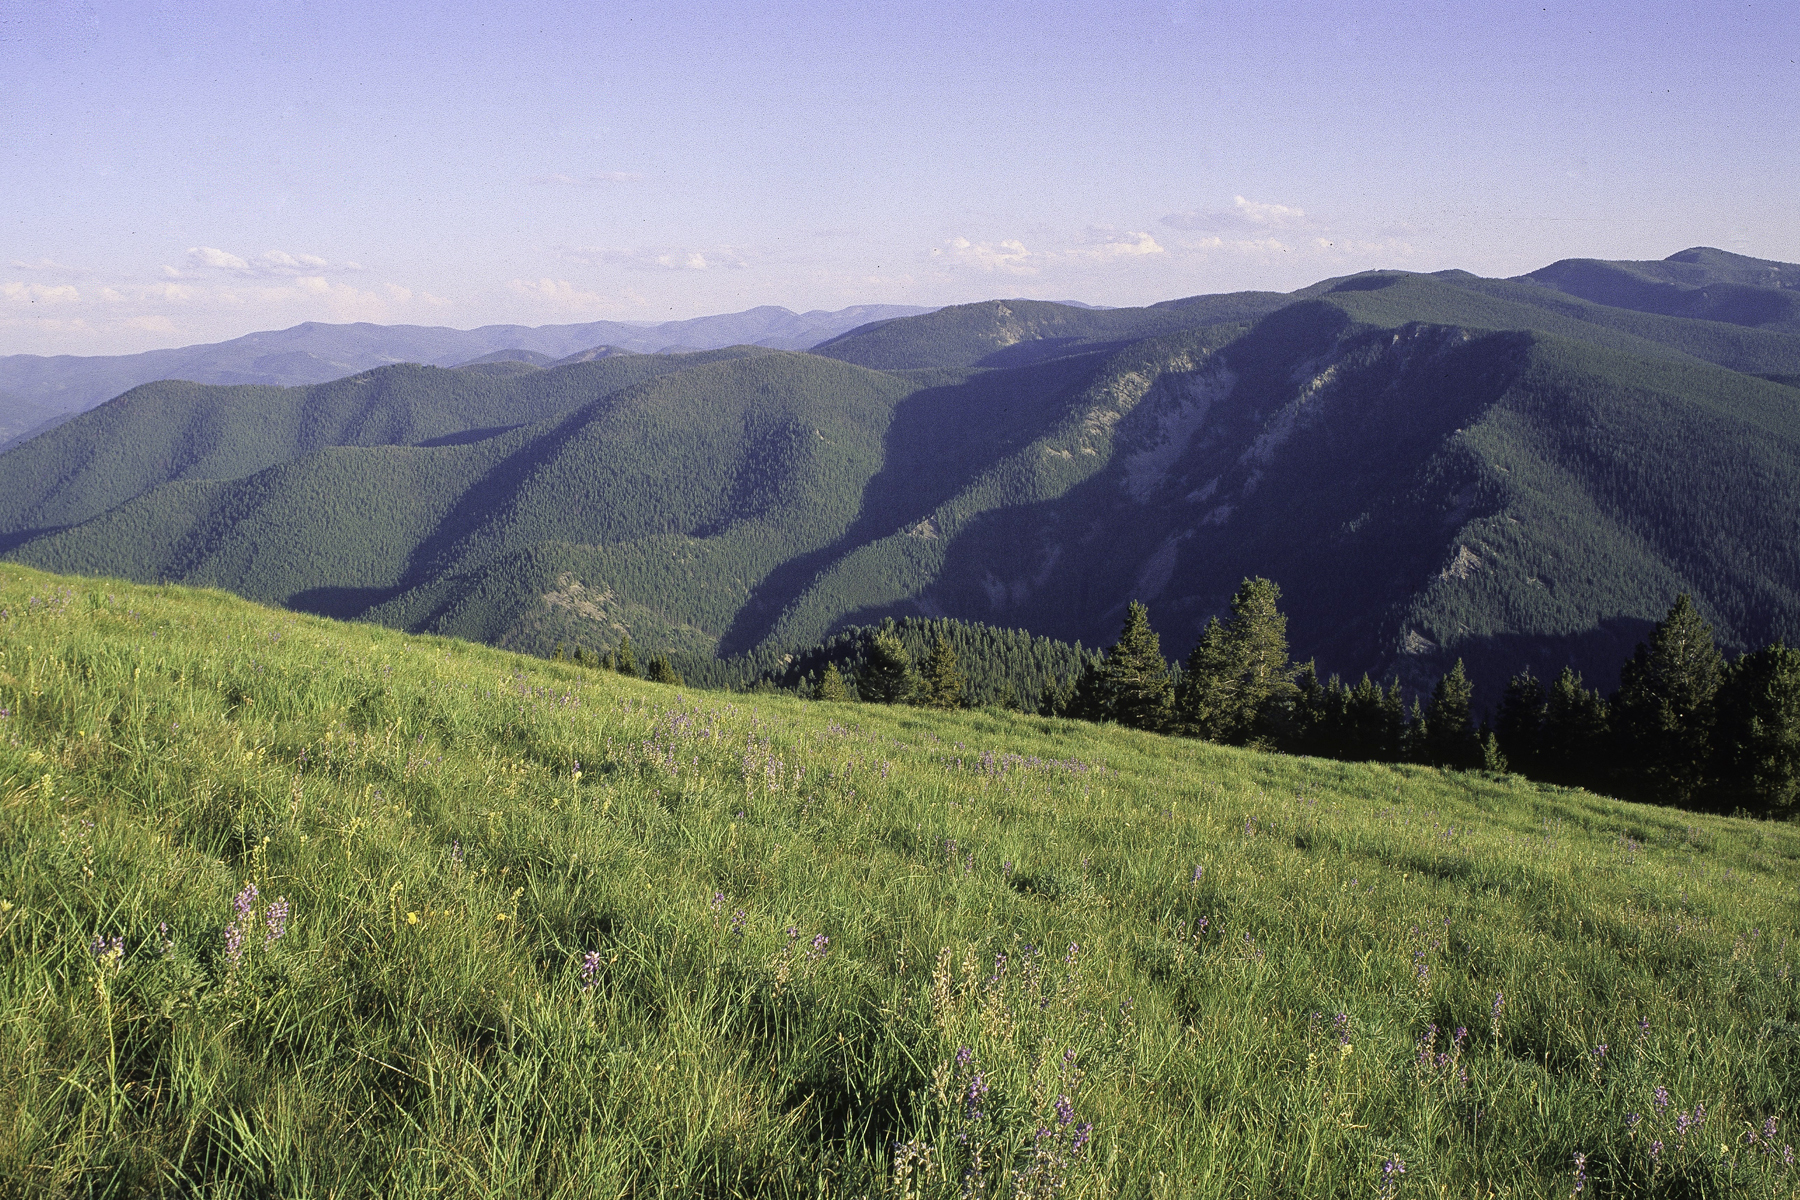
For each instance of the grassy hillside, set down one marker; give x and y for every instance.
(289, 907)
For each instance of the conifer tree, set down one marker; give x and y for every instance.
(1374, 723)
(1663, 712)
(1757, 739)
(1238, 676)
(1318, 711)
(625, 658)
(662, 671)
(831, 685)
(1519, 726)
(1572, 746)
(887, 675)
(1055, 698)
(1446, 736)
(940, 681)
(1133, 679)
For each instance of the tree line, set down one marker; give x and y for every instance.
(1685, 727)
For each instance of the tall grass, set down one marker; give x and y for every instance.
(546, 932)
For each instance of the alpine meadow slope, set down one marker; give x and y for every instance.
(294, 907)
(1432, 468)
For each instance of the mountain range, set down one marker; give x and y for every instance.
(1431, 466)
(38, 392)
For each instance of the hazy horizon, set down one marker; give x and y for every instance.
(191, 175)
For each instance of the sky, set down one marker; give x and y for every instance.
(177, 173)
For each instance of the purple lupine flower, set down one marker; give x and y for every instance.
(737, 922)
(964, 1056)
(1065, 1111)
(234, 942)
(1662, 1100)
(1083, 1132)
(1580, 1172)
(718, 901)
(1074, 952)
(1682, 1122)
(246, 900)
(276, 919)
(590, 967)
(978, 1090)
(1199, 870)
(1656, 1150)
(820, 943)
(1391, 1170)
(1631, 1121)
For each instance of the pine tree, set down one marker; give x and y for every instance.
(1757, 739)
(1133, 679)
(1573, 743)
(1447, 736)
(662, 671)
(1519, 727)
(831, 685)
(1238, 677)
(940, 682)
(625, 658)
(1663, 712)
(1374, 723)
(886, 676)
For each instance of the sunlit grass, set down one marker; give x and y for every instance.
(554, 932)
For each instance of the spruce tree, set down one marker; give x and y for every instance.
(831, 685)
(886, 676)
(1238, 675)
(1663, 711)
(662, 671)
(940, 681)
(1447, 737)
(1520, 724)
(1134, 677)
(1757, 738)
(1573, 742)
(625, 658)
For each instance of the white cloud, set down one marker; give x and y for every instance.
(1244, 216)
(39, 293)
(268, 263)
(666, 259)
(1106, 243)
(47, 264)
(1010, 256)
(208, 256)
(596, 180)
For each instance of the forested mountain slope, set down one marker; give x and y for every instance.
(316, 352)
(1431, 467)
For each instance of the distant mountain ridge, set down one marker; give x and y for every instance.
(35, 389)
(1431, 466)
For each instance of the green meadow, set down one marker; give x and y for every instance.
(297, 908)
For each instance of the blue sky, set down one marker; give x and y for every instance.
(177, 173)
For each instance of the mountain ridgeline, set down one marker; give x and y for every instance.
(1433, 467)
